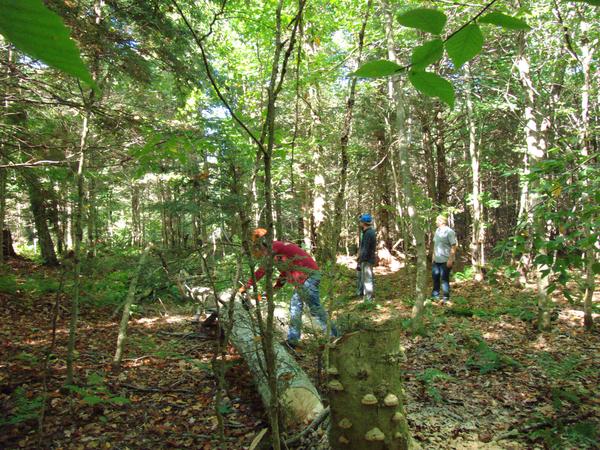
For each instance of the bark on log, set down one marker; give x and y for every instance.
(300, 400)
(365, 392)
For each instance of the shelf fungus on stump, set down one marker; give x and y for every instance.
(343, 440)
(335, 385)
(332, 370)
(375, 434)
(345, 423)
(397, 417)
(369, 399)
(390, 400)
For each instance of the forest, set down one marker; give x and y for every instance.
(299, 224)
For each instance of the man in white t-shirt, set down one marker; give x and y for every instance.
(444, 253)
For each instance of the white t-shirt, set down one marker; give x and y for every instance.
(443, 240)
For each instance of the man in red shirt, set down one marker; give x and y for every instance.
(295, 266)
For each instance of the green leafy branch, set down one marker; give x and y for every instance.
(41, 34)
(462, 45)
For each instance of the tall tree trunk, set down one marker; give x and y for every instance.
(416, 220)
(478, 230)
(440, 146)
(278, 71)
(78, 234)
(3, 177)
(5, 103)
(126, 309)
(136, 231)
(38, 209)
(338, 205)
(587, 53)
(383, 191)
(536, 152)
(92, 232)
(429, 160)
(78, 212)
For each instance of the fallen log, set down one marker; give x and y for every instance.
(300, 401)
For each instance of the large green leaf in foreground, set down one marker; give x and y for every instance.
(502, 20)
(428, 53)
(41, 34)
(432, 85)
(424, 19)
(379, 68)
(465, 45)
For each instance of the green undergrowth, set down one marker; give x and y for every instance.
(429, 379)
(567, 391)
(24, 406)
(96, 392)
(521, 307)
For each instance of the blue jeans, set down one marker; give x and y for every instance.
(307, 293)
(441, 270)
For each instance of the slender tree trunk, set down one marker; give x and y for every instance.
(5, 103)
(383, 191)
(276, 83)
(337, 213)
(416, 220)
(3, 177)
(78, 213)
(38, 209)
(136, 232)
(126, 309)
(78, 234)
(429, 161)
(587, 53)
(536, 151)
(91, 218)
(440, 146)
(478, 230)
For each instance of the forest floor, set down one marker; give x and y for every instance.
(481, 377)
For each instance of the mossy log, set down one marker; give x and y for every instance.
(365, 392)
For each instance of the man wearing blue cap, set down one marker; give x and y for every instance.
(366, 257)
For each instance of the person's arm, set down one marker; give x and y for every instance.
(257, 276)
(373, 245)
(367, 247)
(453, 248)
(452, 256)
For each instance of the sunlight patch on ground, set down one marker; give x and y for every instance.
(541, 344)
(492, 335)
(574, 317)
(393, 265)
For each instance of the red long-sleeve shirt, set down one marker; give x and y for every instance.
(293, 263)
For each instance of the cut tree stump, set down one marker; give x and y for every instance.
(365, 391)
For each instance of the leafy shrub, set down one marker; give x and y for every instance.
(96, 392)
(567, 368)
(467, 274)
(26, 407)
(428, 377)
(40, 286)
(487, 360)
(8, 284)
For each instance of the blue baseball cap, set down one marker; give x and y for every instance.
(366, 218)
